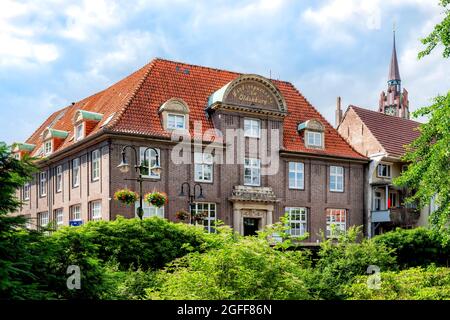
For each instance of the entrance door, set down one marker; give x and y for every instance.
(251, 225)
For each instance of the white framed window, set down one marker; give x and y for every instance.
(150, 156)
(95, 165)
(314, 139)
(59, 177)
(252, 172)
(95, 210)
(17, 156)
(296, 175)
(26, 191)
(48, 147)
(203, 167)
(59, 216)
(43, 219)
(336, 222)
(377, 200)
(336, 179)
(75, 172)
(208, 212)
(384, 170)
(176, 121)
(252, 128)
(75, 212)
(79, 131)
(43, 184)
(149, 210)
(297, 221)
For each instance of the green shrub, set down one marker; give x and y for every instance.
(243, 268)
(72, 246)
(416, 247)
(418, 283)
(339, 262)
(148, 243)
(128, 285)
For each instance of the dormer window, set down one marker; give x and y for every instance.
(314, 139)
(176, 121)
(79, 134)
(84, 122)
(48, 147)
(51, 140)
(313, 133)
(174, 115)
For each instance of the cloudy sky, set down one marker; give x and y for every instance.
(53, 52)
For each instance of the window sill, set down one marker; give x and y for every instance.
(298, 189)
(204, 181)
(151, 178)
(337, 191)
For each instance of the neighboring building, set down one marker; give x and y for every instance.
(382, 136)
(319, 181)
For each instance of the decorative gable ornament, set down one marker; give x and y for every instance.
(250, 93)
(312, 125)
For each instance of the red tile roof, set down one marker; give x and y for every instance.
(135, 100)
(392, 132)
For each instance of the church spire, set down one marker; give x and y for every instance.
(394, 73)
(394, 101)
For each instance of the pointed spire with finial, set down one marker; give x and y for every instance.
(394, 73)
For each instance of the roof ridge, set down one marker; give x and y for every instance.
(215, 69)
(382, 114)
(43, 123)
(120, 113)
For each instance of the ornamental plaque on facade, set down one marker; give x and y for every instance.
(252, 94)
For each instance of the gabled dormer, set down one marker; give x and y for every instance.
(313, 132)
(84, 122)
(52, 139)
(174, 115)
(21, 149)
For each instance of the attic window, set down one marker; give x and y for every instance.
(174, 114)
(314, 133)
(176, 121)
(48, 147)
(79, 131)
(108, 120)
(314, 139)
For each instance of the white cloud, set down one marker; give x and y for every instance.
(84, 19)
(427, 77)
(20, 45)
(336, 20)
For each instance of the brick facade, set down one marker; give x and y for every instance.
(278, 108)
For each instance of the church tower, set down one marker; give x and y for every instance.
(394, 102)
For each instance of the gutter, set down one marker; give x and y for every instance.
(325, 157)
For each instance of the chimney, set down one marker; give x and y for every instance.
(338, 114)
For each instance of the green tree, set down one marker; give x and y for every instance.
(429, 155)
(440, 34)
(18, 279)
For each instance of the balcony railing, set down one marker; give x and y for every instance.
(398, 216)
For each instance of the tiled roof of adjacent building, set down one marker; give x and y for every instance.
(132, 105)
(392, 132)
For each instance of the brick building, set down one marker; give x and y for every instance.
(313, 174)
(382, 136)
